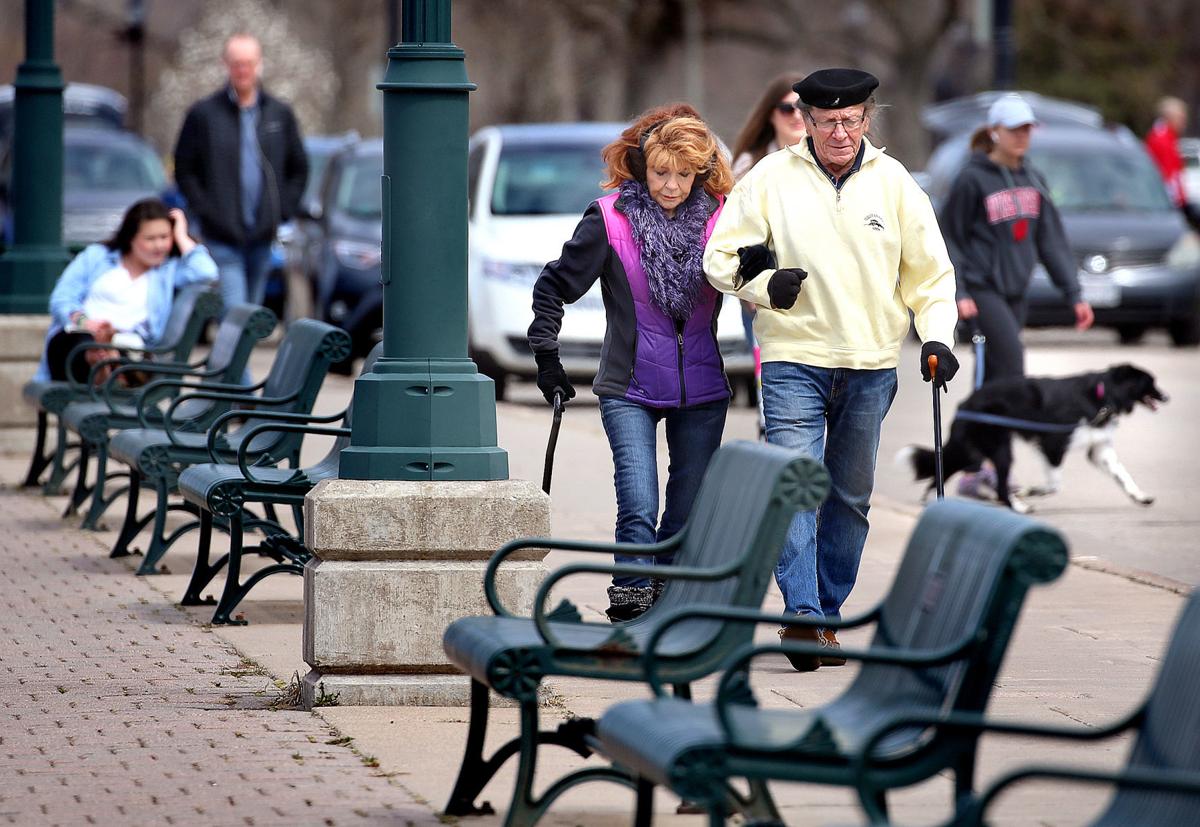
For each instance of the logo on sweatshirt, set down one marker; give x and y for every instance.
(874, 221)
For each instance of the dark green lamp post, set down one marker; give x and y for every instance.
(30, 267)
(425, 412)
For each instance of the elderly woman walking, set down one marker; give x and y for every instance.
(660, 361)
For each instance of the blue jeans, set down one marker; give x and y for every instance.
(243, 271)
(693, 434)
(833, 415)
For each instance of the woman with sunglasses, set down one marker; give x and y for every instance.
(775, 122)
(660, 361)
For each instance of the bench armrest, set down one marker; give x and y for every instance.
(214, 393)
(162, 368)
(292, 427)
(508, 549)
(739, 615)
(161, 387)
(540, 620)
(1158, 779)
(271, 416)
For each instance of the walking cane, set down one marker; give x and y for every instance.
(937, 429)
(550, 446)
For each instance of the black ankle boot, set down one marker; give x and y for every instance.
(628, 602)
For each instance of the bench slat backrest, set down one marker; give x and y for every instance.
(244, 326)
(966, 570)
(746, 502)
(301, 363)
(193, 307)
(1169, 737)
(330, 462)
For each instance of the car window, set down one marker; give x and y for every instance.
(547, 180)
(104, 168)
(359, 192)
(474, 167)
(1100, 180)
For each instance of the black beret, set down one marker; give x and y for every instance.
(835, 88)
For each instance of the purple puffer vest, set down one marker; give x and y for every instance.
(671, 367)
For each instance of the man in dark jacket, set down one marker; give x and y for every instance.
(240, 164)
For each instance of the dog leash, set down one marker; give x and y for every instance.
(939, 482)
(978, 340)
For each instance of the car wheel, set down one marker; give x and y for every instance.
(1130, 334)
(1185, 332)
(501, 382)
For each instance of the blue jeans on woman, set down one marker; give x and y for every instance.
(693, 434)
(834, 415)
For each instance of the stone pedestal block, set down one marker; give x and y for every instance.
(22, 337)
(395, 563)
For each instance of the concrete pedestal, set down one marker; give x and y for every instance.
(396, 562)
(21, 339)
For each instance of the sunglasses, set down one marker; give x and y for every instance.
(787, 108)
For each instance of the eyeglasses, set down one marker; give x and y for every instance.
(787, 108)
(830, 126)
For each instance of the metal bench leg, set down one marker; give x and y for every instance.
(760, 804)
(964, 779)
(157, 547)
(130, 527)
(58, 466)
(91, 520)
(39, 462)
(203, 572)
(643, 812)
(81, 487)
(522, 808)
(473, 775)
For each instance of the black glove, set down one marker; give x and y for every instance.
(784, 287)
(552, 377)
(947, 365)
(753, 260)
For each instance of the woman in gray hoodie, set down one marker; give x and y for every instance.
(998, 222)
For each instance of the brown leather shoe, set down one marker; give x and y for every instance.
(802, 634)
(834, 657)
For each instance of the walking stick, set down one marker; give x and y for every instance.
(553, 443)
(937, 430)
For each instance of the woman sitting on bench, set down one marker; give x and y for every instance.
(120, 292)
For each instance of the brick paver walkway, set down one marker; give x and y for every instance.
(114, 709)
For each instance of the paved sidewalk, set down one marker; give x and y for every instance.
(118, 710)
(121, 708)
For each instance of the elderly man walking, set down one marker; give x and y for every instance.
(857, 247)
(240, 164)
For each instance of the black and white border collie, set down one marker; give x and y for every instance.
(1083, 409)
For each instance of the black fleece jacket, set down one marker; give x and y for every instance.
(207, 159)
(997, 223)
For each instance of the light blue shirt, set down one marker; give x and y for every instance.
(250, 167)
(95, 260)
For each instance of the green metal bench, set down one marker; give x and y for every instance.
(222, 490)
(192, 309)
(243, 327)
(1159, 786)
(940, 636)
(156, 456)
(724, 556)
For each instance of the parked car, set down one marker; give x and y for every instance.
(1139, 264)
(104, 171)
(528, 185)
(347, 237)
(292, 280)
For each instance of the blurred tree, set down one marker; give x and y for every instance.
(295, 69)
(1109, 53)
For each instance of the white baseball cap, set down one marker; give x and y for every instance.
(1010, 111)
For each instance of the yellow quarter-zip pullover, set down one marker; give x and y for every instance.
(872, 250)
